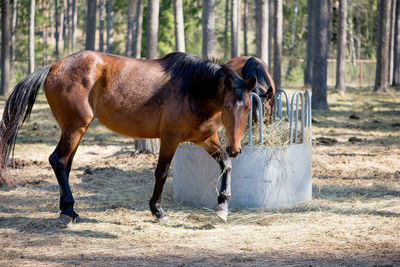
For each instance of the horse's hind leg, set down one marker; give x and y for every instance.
(214, 148)
(61, 161)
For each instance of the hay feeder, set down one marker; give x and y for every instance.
(263, 177)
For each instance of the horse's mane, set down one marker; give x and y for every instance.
(199, 78)
(252, 67)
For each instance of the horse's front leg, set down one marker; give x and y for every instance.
(214, 148)
(167, 150)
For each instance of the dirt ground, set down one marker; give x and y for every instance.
(353, 219)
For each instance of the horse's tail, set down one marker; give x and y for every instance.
(17, 109)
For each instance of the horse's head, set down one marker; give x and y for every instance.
(236, 106)
(266, 96)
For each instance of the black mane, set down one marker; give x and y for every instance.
(254, 68)
(199, 78)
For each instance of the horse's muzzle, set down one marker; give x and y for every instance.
(233, 153)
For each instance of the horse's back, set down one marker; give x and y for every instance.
(123, 93)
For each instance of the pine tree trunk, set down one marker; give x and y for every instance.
(101, 25)
(396, 50)
(271, 30)
(70, 24)
(341, 47)
(262, 29)
(382, 48)
(44, 31)
(245, 47)
(351, 37)
(179, 27)
(5, 48)
(208, 28)
(391, 39)
(13, 34)
(309, 46)
(51, 20)
(31, 39)
(57, 33)
(150, 145)
(226, 30)
(66, 27)
(152, 29)
(319, 86)
(278, 43)
(90, 24)
(330, 25)
(235, 29)
(110, 25)
(130, 28)
(137, 41)
(74, 24)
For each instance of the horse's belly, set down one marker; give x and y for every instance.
(131, 123)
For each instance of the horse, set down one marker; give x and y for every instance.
(177, 98)
(265, 88)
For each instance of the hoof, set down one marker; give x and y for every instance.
(222, 213)
(65, 220)
(163, 220)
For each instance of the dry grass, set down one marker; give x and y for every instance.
(353, 219)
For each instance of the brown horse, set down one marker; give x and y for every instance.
(176, 98)
(248, 67)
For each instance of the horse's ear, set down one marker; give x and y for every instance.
(228, 82)
(251, 83)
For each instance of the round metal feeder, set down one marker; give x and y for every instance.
(262, 177)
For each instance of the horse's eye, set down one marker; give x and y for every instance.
(226, 107)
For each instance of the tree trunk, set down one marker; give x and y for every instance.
(391, 39)
(137, 41)
(150, 145)
(31, 40)
(245, 47)
(382, 48)
(208, 28)
(90, 24)
(319, 86)
(13, 34)
(130, 28)
(271, 29)
(152, 29)
(5, 47)
(278, 43)
(226, 30)
(44, 31)
(74, 24)
(235, 18)
(396, 50)
(51, 20)
(66, 27)
(262, 29)
(351, 37)
(70, 24)
(179, 27)
(310, 39)
(101, 25)
(110, 25)
(341, 47)
(330, 25)
(57, 33)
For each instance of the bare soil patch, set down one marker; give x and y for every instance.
(353, 219)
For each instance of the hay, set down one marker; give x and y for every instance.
(274, 134)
